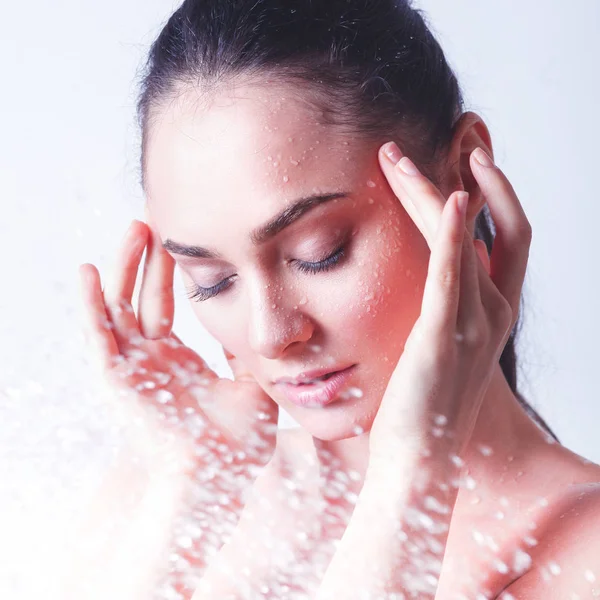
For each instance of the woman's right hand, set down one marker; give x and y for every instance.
(163, 382)
(223, 430)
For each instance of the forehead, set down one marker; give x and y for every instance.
(247, 154)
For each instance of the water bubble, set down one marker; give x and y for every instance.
(371, 184)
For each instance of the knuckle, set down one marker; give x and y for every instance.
(525, 231)
(475, 337)
(448, 278)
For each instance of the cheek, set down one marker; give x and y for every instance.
(378, 301)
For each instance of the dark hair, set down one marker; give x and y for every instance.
(370, 68)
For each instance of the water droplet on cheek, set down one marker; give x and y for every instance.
(371, 184)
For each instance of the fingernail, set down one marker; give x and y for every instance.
(463, 201)
(408, 166)
(483, 158)
(392, 151)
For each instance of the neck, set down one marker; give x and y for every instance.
(504, 434)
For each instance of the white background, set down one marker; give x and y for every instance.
(69, 189)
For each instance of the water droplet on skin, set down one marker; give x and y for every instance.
(478, 537)
(355, 392)
(500, 566)
(470, 483)
(371, 201)
(440, 420)
(554, 568)
(286, 179)
(485, 450)
(521, 561)
(499, 515)
(371, 184)
(164, 396)
(358, 430)
(530, 541)
(457, 460)
(589, 575)
(303, 301)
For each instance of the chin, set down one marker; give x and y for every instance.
(336, 422)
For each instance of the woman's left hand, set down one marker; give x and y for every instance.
(469, 309)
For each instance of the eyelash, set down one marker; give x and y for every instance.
(200, 294)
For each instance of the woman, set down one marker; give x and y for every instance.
(345, 287)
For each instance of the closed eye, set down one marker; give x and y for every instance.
(201, 294)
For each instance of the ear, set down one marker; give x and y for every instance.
(470, 132)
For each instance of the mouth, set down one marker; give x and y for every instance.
(310, 377)
(319, 391)
(312, 381)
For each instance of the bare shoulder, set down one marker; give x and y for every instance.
(566, 561)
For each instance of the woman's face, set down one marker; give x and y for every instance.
(216, 175)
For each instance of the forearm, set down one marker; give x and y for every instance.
(396, 538)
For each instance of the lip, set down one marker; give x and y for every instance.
(318, 394)
(308, 375)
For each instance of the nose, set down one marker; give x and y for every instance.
(275, 324)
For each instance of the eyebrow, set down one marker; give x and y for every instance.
(263, 233)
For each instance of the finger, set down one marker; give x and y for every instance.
(510, 251)
(482, 252)
(119, 289)
(98, 325)
(470, 306)
(240, 371)
(419, 196)
(442, 286)
(156, 306)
